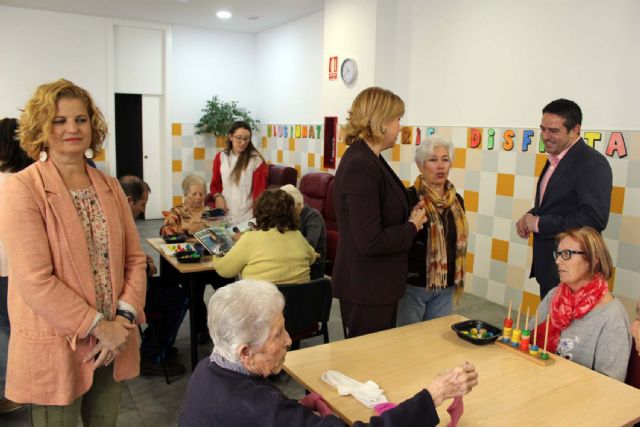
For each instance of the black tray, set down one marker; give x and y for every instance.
(188, 257)
(175, 238)
(467, 325)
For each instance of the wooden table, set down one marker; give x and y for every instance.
(187, 270)
(512, 391)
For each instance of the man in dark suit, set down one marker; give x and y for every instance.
(166, 302)
(574, 189)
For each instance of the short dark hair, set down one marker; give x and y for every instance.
(133, 187)
(276, 209)
(567, 109)
(12, 157)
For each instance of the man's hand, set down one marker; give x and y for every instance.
(151, 267)
(526, 225)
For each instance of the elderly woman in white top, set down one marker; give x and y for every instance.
(250, 343)
(239, 175)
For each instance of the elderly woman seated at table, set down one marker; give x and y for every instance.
(231, 388)
(588, 325)
(275, 251)
(187, 217)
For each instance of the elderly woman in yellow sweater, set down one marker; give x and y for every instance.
(275, 251)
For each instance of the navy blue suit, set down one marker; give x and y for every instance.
(577, 195)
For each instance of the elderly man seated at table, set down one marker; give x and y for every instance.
(275, 251)
(312, 228)
(230, 388)
(588, 325)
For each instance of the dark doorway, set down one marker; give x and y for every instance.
(128, 134)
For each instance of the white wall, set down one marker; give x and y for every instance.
(349, 32)
(498, 62)
(290, 68)
(40, 47)
(207, 63)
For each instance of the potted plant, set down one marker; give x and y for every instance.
(219, 116)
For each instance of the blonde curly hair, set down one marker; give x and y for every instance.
(37, 118)
(370, 111)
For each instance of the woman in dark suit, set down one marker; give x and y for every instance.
(376, 223)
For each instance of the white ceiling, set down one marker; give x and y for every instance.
(192, 13)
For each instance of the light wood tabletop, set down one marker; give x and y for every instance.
(206, 264)
(189, 271)
(512, 391)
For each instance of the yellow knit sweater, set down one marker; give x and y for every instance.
(268, 255)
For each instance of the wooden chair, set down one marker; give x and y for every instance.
(307, 309)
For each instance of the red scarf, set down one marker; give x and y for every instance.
(566, 305)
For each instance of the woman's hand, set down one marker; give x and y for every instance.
(193, 227)
(221, 203)
(453, 383)
(101, 355)
(418, 215)
(113, 334)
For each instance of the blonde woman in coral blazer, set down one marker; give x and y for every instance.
(77, 270)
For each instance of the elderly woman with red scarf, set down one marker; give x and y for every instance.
(587, 325)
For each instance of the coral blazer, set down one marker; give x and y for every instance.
(52, 300)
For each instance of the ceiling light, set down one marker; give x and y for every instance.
(223, 14)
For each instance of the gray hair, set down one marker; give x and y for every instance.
(190, 181)
(428, 145)
(295, 193)
(241, 313)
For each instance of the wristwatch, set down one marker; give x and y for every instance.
(127, 315)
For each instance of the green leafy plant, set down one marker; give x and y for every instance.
(219, 116)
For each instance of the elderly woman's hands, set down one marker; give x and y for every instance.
(221, 203)
(453, 383)
(418, 215)
(112, 338)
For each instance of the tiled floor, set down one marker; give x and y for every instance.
(148, 401)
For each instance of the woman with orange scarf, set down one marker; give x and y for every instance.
(438, 256)
(587, 325)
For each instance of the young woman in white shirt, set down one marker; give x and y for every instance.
(239, 175)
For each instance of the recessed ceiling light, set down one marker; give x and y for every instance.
(223, 14)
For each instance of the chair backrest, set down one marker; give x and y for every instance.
(332, 248)
(329, 213)
(281, 175)
(306, 305)
(314, 187)
(633, 370)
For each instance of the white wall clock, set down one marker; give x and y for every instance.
(349, 71)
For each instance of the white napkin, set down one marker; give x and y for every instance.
(369, 394)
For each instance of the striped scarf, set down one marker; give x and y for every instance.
(437, 265)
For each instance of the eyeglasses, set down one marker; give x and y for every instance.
(566, 254)
(242, 138)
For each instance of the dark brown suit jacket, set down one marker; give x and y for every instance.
(372, 210)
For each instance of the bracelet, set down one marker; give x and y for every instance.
(127, 315)
(215, 196)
